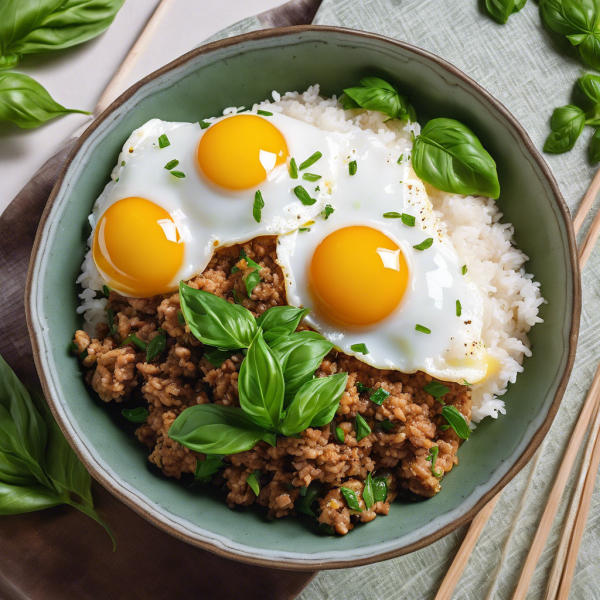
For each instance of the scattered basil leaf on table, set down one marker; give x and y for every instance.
(590, 85)
(368, 497)
(351, 499)
(135, 415)
(457, 421)
(206, 468)
(449, 156)
(500, 10)
(567, 124)
(595, 147)
(280, 321)
(26, 103)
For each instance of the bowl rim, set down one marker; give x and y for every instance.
(158, 519)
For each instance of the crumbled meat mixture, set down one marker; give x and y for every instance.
(181, 377)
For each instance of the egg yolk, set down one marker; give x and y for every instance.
(136, 248)
(358, 276)
(238, 152)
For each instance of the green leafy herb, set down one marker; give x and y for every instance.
(264, 113)
(362, 428)
(134, 339)
(500, 10)
(178, 174)
(422, 329)
(361, 387)
(280, 321)
(327, 211)
(595, 147)
(386, 425)
(303, 196)
(217, 357)
(590, 86)
(304, 229)
(424, 244)
(156, 346)
(436, 389)
(380, 489)
(252, 481)
(305, 502)
(24, 101)
(368, 497)
(433, 454)
(257, 207)
(464, 269)
(567, 124)
(180, 318)
(456, 421)
(216, 322)
(340, 435)
(311, 177)
(352, 167)
(83, 355)
(379, 95)
(311, 160)
(351, 499)
(408, 220)
(204, 124)
(458, 308)
(110, 315)
(206, 468)
(217, 429)
(392, 215)
(465, 382)
(293, 169)
(106, 291)
(135, 415)
(450, 157)
(400, 159)
(252, 278)
(379, 396)
(171, 164)
(318, 189)
(362, 348)
(163, 141)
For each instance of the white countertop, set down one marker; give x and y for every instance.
(76, 77)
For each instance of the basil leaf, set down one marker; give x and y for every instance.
(500, 10)
(280, 321)
(315, 404)
(208, 467)
(43, 25)
(351, 499)
(252, 481)
(252, 278)
(14, 470)
(589, 49)
(380, 489)
(450, 157)
(261, 384)
(368, 497)
(362, 428)
(436, 389)
(17, 499)
(387, 425)
(27, 103)
(379, 95)
(340, 435)
(216, 322)
(380, 396)
(217, 357)
(305, 502)
(569, 17)
(433, 454)
(135, 415)
(156, 346)
(590, 86)
(215, 429)
(457, 421)
(595, 147)
(567, 124)
(300, 355)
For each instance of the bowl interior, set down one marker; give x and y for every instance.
(239, 74)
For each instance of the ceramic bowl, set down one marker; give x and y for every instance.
(238, 72)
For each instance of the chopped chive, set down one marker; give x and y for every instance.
(311, 177)
(464, 269)
(351, 499)
(458, 308)
(171, 164)
(340, 435)
(123, 163)
(327, 211)
(392, 215)
(204, 124)
(408, 220)
(302, 491)
(257, 207)
(436, 389)
(180, 318)
(117, 180)
(422, 329)
(362, 428)
(424, 244)
(361, 387)
(163, 141)
(177, 174)
(362, 348)
(303, 196)
(400, 159)
(387, 425)
(465, 382)
(135, 415)
(110, 314)
(304, 229)
(352, 166)
(252, 481)
(156, 346)
(264, 113)
(368, 492)
(106, 290)
(380, 396)
(293, 169)
(134, 339)
(433, 454)
(311, 160)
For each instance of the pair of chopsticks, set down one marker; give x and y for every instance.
(565, 561)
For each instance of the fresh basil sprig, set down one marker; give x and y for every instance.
(450, 157)
(26, 103)
(567, 124)
(42, 25)
(38, 468)
(500, 10)
(379, 95)
(280, 321)
(590, 85)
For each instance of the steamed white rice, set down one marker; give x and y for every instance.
(511, 297)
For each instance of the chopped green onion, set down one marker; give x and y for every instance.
(465, 382)
(351, 499)
(178, 174)
(380, 396)
(387, 425)
(156, 346)
(106, 290)
(293, 169)
(352, 167)
(400, 159)
(311, 160)
(302, 491)
(84, 355)
(408, 220)
(264, 113)
(204, 124)
(362, 348)
(171, 164)
(340, 435)
(380, 489)
(367, 494)
(433, 454)
(180, 317)
(311, 177)
(362, 428)
(304, 503)
(457, 421)
(110, 314)
(134, 339)
(464, 269)
(257, 207)
(253, 278)
(436, 389)
(422, 329)
(304, 229)
(208, 467)
(424, 244)
(135, 415)
(392, 215)
(303, 196)
(361, 387)
(327, 211)
(252, 481)
(163, 141)
(458, 308)
(123, 163)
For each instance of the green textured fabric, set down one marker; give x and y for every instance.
(532, 72)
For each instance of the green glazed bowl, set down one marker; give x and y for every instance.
(238, 72)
